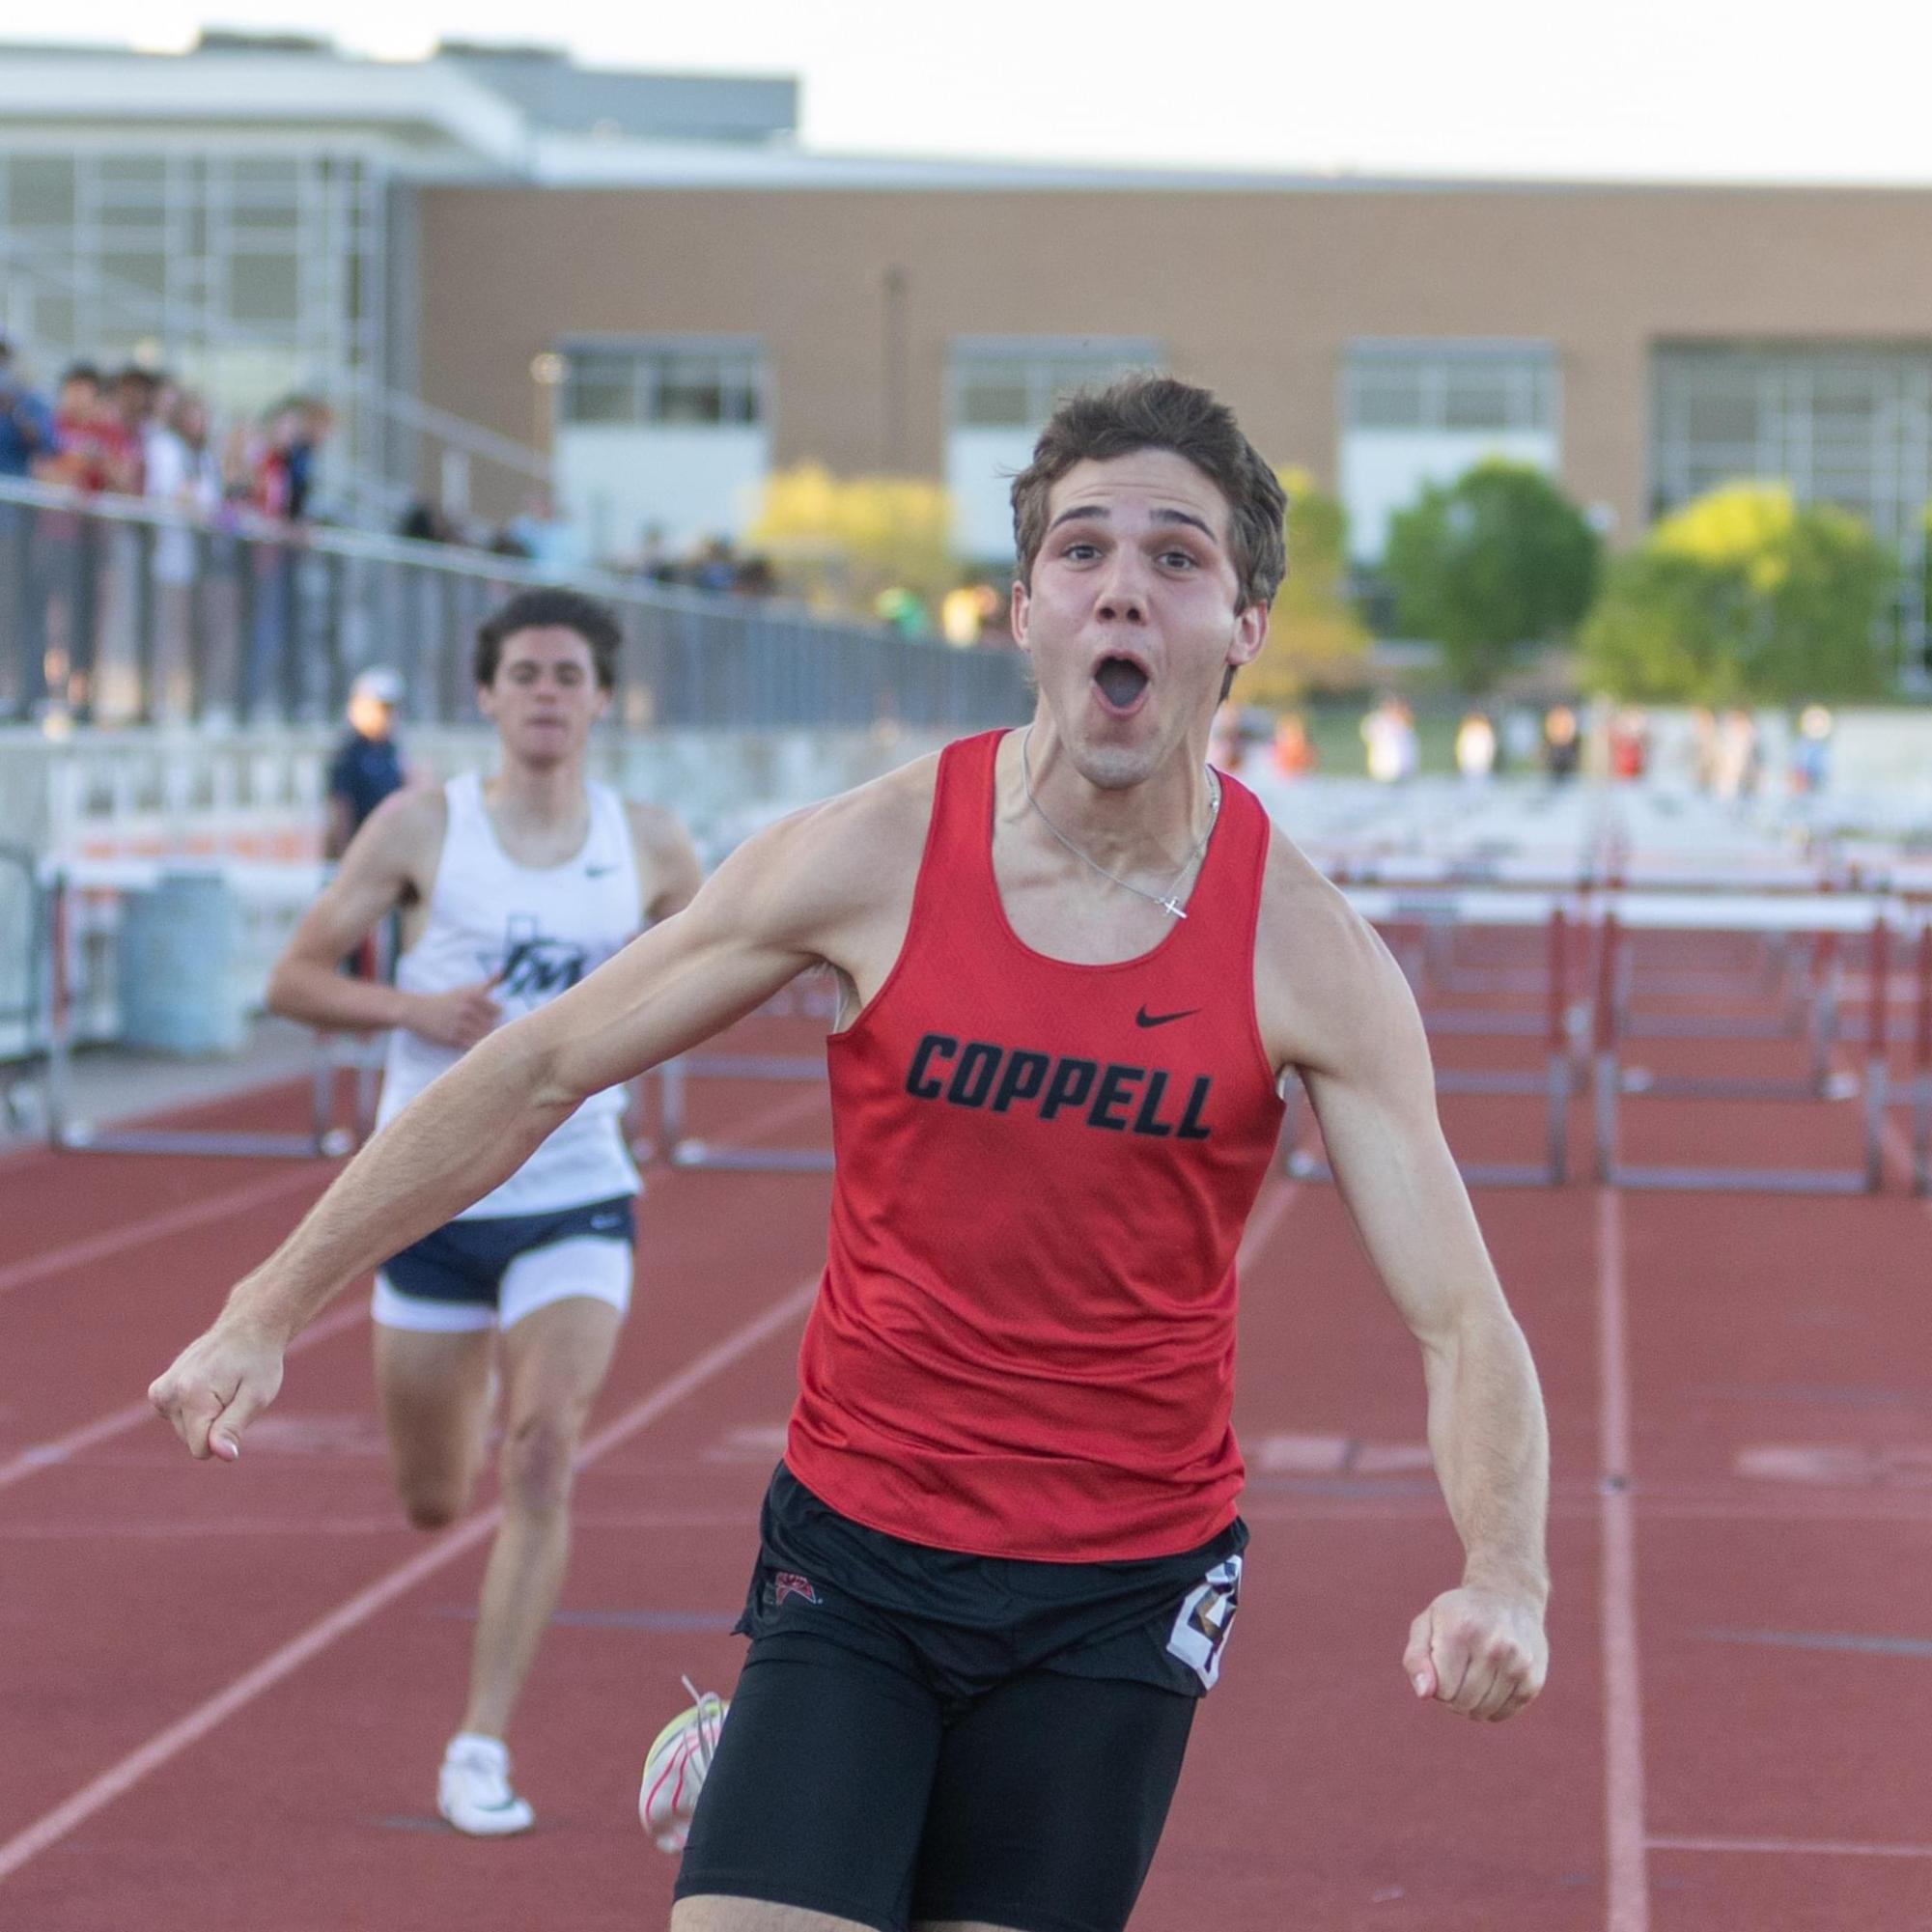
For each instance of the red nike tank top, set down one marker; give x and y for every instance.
(1024, 1342)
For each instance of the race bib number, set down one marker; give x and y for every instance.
(1206, 1617)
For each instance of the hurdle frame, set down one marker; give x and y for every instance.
(1610, 1082)
(1559, 1023)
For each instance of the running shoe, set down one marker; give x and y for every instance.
(675, 1768)
(473, 1789)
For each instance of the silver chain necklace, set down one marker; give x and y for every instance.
(1169, 901)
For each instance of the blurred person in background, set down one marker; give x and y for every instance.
(1811, 754)
(424, 522)
(1292, 753)
(271, 487)
(182, 475)
(368, 762)
(313, 424)
(1628, 745)
(1562, 743)
(92, 449)
(1735, 770)
(1389, 737)
(26, 451)
(26, 421)
(1703, 750)
(964, 609)
(551, 543)
(1522, 742)
(1476, 748)
(903, 609)
(134, 398)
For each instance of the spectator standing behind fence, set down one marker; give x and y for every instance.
(92, 451)
(1476, 748)
(368, 762)
(309, 429)
(181, 475)
(1811, 754)
(1628, 745)
(26, 423)
(1293, 754)
(1388, 732)
(1736, 772)
(1562, 743)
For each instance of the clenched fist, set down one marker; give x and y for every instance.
(1481, 1652)
(459, 1018)
(217, 1384)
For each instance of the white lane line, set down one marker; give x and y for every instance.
(152, 1228)
(1623, 1709)
(1792, 1847)
(112, 1783)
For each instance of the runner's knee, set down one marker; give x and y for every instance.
(432, 1504)
(537, 1456)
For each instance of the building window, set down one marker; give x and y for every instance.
(1848, 424)
(1014, 383)
(999, 392)
(1411, 386)
(1418, 415)
(662, 383)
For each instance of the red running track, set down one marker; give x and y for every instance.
(226, 1689)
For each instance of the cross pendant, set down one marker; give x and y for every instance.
(1172, 909)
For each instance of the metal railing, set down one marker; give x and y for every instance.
(117, 611)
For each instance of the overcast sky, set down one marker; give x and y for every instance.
(1642, 89)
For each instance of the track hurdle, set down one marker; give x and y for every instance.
(1556, 1023)
(1837, 916)
(808, 998)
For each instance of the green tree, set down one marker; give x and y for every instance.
(846, 539)
(1315, 640)
(1744, 595)
(1495, 562)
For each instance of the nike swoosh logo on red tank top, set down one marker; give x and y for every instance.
(1145, 1019)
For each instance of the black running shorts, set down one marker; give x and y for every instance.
(921, 1735)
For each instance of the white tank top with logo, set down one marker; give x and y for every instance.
(537, 931)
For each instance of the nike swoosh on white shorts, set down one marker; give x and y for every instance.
(675, 1768)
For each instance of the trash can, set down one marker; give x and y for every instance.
(176, 966)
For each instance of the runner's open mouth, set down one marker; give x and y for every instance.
(1121, 681)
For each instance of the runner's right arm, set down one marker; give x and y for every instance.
(804, 890)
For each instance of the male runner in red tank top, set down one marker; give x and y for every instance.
(1001, 1556)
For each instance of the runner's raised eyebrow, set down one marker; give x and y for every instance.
(1079, 511)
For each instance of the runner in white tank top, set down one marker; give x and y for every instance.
(533, 932)
(510, 893)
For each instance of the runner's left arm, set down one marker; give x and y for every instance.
(667, 862)
(1478, 1648)
(762, 919)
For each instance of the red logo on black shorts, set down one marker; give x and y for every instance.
(789, 1583)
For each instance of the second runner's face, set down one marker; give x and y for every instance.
(545, 697)
(1131, 618)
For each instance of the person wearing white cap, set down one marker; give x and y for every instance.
(367, 766)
